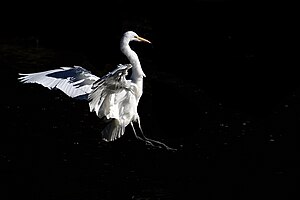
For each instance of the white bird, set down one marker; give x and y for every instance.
(113, 98)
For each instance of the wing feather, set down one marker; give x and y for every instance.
(113, 98)
(109, 89)
(75, 82)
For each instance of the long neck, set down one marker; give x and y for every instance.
(137, 72)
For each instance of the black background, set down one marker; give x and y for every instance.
(221, 86)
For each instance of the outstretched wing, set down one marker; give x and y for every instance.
(113, 98)
(75, 81)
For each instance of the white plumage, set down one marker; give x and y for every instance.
(73, 81)
(112, 97)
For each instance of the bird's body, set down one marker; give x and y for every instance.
(117, 103)
(112, 97)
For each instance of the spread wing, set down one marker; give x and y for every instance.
(113, 98)
(75, 81)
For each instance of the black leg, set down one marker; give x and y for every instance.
(138, 137)
(160, 144)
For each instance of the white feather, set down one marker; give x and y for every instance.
(73, 81)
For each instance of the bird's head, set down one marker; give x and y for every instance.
(132, 36)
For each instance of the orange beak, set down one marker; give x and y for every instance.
(142, 39)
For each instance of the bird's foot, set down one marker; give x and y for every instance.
(170, 149)
(158, 144)
(149, 143)
(155, 143)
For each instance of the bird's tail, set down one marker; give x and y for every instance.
(113, 130)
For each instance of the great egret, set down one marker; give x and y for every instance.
(114, 98)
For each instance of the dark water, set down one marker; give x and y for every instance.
(213, 92)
